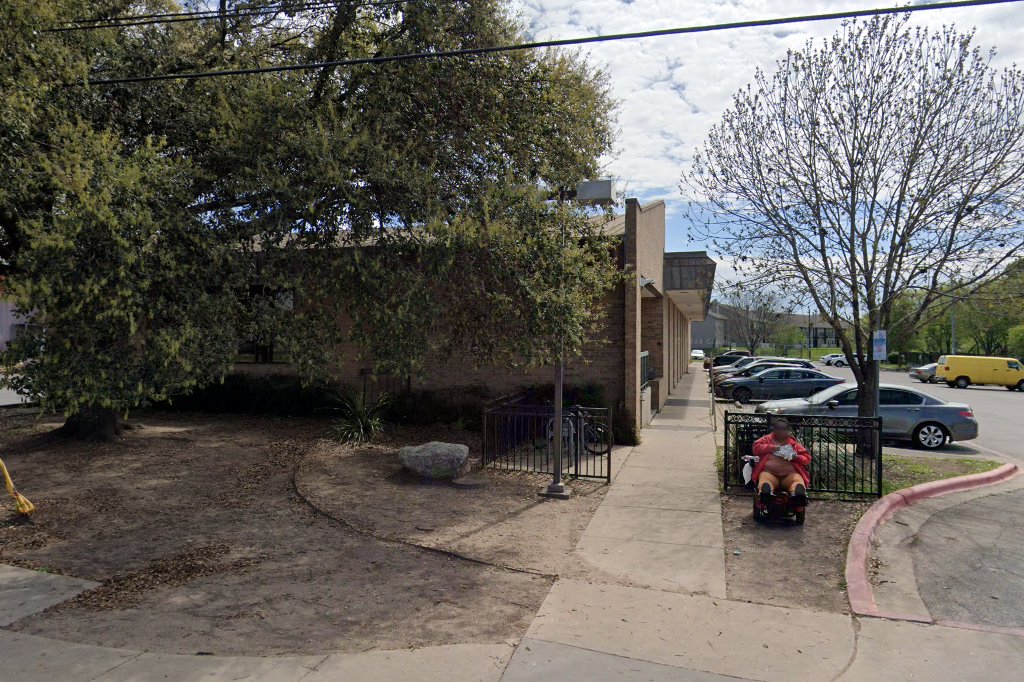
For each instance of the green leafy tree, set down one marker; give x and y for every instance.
(281, 204)
(126, 292)
(1016, 341)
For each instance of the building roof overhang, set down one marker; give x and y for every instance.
(688, 280)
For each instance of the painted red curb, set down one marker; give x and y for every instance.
(858, 553)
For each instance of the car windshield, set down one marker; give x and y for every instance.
(828, 394)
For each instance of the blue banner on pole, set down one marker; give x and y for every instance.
(879, 345)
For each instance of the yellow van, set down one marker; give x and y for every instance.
(963, 370)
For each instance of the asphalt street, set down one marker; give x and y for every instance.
(969, 562)
(998, 411)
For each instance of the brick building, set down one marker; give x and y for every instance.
(646, 326)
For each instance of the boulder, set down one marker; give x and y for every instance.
(436, 460)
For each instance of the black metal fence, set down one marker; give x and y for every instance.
(846, 452)
(519, 437)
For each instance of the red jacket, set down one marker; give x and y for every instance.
(765, 445)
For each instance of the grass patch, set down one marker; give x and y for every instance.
(899, 471)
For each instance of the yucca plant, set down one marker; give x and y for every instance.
(358, 420)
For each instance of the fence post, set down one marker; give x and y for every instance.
(725, 455)
(878, 455)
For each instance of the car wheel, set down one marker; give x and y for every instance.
(930, 436)
(1020, 386)
(951, 384)
(932, 380)
(742, 395)
(839, 363)
(963, 382)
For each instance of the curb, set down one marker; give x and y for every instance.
(858, 553)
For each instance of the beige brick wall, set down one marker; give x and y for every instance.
(612, 360)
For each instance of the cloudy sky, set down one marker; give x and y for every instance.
(673, 89)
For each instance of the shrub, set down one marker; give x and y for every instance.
(244, 393)
(358, 420)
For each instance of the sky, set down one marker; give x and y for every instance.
(673, 89)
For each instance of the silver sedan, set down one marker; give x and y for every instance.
(906, 414)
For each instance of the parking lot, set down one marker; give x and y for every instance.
(998, 411)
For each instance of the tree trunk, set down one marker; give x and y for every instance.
(93, 423)
(867, 406)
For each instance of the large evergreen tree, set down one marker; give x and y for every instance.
(405, 197)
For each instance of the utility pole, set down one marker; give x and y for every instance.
(952, 331)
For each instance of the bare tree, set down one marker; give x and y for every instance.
(888, 160)
(753, 315)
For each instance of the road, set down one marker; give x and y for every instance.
(968, 562)
(998, 411)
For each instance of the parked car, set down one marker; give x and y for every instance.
(830, 358)
(759, 365)
(726, 358)
(842, 362)
(779, 382)
(742, 362)
(925, 373)
(696, 354)
(963, 370)
(907, 414)
(753, 369)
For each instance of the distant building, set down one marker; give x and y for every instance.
(709, 333)
(816, 332)
(713, 331)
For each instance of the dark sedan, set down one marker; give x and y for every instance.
(771, 384)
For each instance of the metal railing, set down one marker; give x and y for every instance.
(519, 437)
(645, 368)
(846, 452)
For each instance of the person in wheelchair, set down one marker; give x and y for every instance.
(782, 465)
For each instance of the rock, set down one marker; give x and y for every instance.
(436, 460)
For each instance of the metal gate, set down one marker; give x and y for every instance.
(846, 452)
(519, 437)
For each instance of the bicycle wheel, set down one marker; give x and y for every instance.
(597, 439)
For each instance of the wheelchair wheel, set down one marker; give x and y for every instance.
(799, 518)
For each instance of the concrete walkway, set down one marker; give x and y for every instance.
(660, 524)
(649, 599)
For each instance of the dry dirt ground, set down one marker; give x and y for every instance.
(236, 535)
(789, 565)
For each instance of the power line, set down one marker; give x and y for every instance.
(178, 17)
(518, 47)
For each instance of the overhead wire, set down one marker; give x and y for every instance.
(126, 21)
(563, 42)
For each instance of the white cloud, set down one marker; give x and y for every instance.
(673, 89)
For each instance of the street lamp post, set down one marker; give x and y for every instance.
(596, 192)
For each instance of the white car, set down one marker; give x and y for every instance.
(832, 357)
(696, 354)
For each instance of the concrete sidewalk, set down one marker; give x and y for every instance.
(649, 602)
(660, 524)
